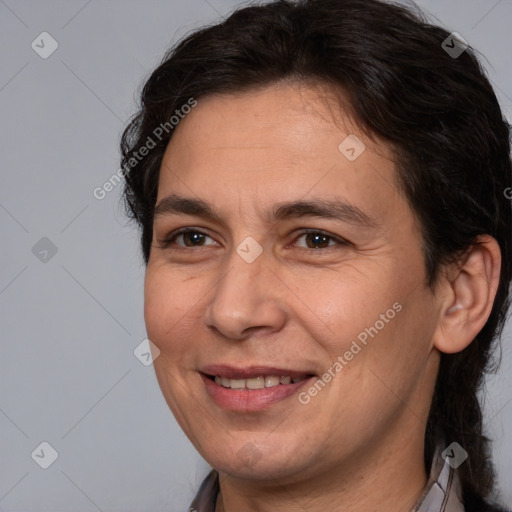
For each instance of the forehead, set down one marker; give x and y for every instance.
(282, 117)
(283, 141)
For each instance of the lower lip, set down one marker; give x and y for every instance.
(246, 400)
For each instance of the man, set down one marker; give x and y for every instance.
(328, 250)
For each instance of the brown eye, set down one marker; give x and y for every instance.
(189, 238)
(319, 240)
(193, 238)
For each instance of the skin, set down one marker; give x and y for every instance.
(300, 306)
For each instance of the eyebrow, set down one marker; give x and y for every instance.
(329, 209)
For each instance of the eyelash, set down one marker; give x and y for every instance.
(168, 241)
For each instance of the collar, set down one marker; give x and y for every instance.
(441, 494)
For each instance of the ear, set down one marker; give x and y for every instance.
(467, 290)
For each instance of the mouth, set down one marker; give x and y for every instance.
(259, 382)
(253, 377)
(251, 389)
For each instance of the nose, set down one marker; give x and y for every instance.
(248, 298)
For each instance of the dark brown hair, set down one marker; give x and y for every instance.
(440, 113)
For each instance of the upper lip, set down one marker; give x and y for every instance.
(232, 372)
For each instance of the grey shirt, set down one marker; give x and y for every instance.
(441, 494)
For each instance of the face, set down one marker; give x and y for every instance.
(302, 259)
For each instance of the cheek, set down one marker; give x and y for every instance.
(172, 308)
(162, 307)
(396, 359)
(380, 326)
(155, 303)
(352, 312)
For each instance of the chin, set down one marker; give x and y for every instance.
(255, 463)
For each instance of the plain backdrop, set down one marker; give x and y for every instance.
(71, 274)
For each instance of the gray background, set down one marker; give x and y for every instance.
(69, 324)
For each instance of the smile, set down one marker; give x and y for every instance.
(251, 389)
(261, 382)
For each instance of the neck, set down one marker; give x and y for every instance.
(392, 473)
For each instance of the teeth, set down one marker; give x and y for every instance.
(268, 381)
(237, 384)
(271, 381)
(255, 383)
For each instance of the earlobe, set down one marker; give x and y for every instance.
(470, 288)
